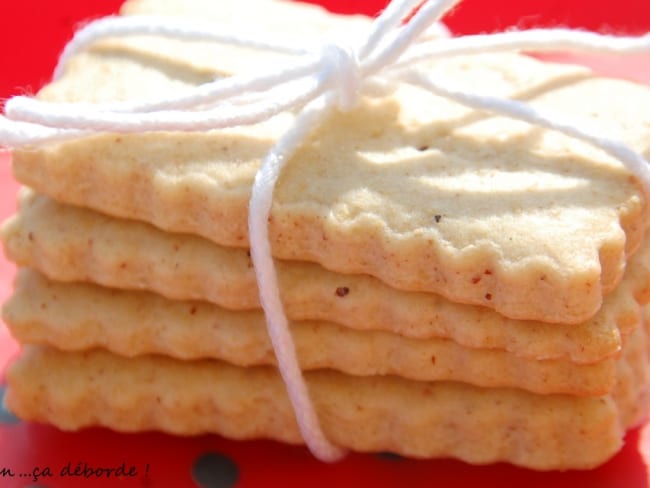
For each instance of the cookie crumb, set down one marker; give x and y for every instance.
(341, 291)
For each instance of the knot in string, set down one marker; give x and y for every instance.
(344, 71)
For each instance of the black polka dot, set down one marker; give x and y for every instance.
(389, 456)
(215, 470)
(6, 417)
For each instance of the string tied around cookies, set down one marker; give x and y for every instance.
(344, 62)
(315, 81)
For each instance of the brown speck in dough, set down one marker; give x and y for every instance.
(488, 296)
(433, 360)
(476, 279)
(341, 291)
(30, 236)
(437, 218)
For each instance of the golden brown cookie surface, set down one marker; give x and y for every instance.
(411, 188)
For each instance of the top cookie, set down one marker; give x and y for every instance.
(414, 189)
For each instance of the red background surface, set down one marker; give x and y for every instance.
(32, 33)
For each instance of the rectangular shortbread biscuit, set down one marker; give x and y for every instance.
(417, 419)
(75, 317)
(72, 244)
(482, 209)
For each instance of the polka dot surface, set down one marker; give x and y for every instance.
(6, 417)
(215, 470)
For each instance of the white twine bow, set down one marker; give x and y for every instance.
(320, 80)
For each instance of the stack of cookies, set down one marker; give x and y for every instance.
(458, 284)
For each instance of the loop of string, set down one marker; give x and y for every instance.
(313, 83)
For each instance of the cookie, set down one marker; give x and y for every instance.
(480, 209)
(73, 244)
(79, 316)
(416, 419)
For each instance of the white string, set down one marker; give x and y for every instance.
(223, 116)
(312, 83)
(632, 160)
(395, 12)
(205, 94)
(277, 323)
(540, 40)
(429, 13)
(153, 25)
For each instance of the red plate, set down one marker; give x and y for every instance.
(36, 455)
